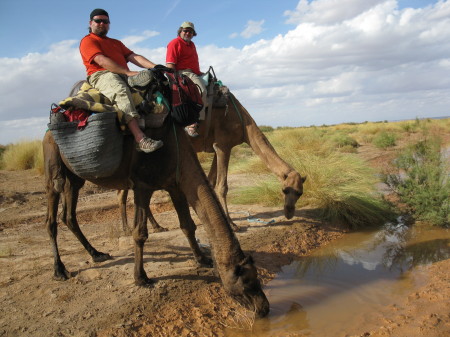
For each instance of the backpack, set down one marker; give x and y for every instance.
(185, 98)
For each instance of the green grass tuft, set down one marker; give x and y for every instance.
(339, 184)
(385, 140)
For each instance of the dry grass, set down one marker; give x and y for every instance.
(24, 155)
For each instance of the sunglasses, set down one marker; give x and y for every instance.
(188, 31)
(105, 21)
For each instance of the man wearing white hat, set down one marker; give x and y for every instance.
(182, 56)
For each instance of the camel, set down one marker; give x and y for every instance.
(229, 124)
(174, 168)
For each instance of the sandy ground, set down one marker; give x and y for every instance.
(100, 299)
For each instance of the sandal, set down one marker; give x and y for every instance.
(191, 130)
(148, 145)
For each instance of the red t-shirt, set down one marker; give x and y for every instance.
(92, 45)
(183, 55)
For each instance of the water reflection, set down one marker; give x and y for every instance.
(320, 295)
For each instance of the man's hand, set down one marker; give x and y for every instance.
(160, 67)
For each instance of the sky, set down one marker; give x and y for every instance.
(289, 62)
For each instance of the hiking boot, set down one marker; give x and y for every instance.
(191, 130)
(140, 80)
(148, 145)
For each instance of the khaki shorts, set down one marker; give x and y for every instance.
(114, 87)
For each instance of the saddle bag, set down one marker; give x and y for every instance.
(186, 100)
(94, 151)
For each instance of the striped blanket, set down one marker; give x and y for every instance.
(90, 99)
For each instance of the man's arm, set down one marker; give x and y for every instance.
(105, 62)
(140, 61)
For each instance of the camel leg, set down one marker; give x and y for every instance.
(122, 196)
(52, 169)
(71, 192)
(221, 186)
(155, 225)
(188, 226)
(140, 235)
(212, 175)
(60, 271)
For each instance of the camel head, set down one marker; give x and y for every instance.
(292, 190)
(221, 95)
(243, 286)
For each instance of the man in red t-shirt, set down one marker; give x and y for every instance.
(182, 56)
(107, 70)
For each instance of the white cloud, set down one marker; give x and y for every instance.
(253, 28)
(371, 61)
(329, 11)
(131, 41)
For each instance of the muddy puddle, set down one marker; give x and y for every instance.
(343, 284)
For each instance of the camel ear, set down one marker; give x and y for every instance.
(303, 179)
(238, 269)
(248, 260)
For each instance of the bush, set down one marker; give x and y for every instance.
(342, 140)
(422, 183)
(23, 156)
(265, 128)
(385, 140)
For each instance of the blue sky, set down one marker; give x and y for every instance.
(290, 62)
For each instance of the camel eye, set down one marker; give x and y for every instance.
(291, 190)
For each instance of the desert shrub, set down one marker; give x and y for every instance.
(421, 181)
(23, 156)
(409, 127)
(342, 140)
(265, 128)
(384, 140)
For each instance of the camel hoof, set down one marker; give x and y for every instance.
(159, 230)
(205, 263)
(101, 257)
(144, 282)
(61, 275)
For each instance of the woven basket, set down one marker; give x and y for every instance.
(96, 150)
